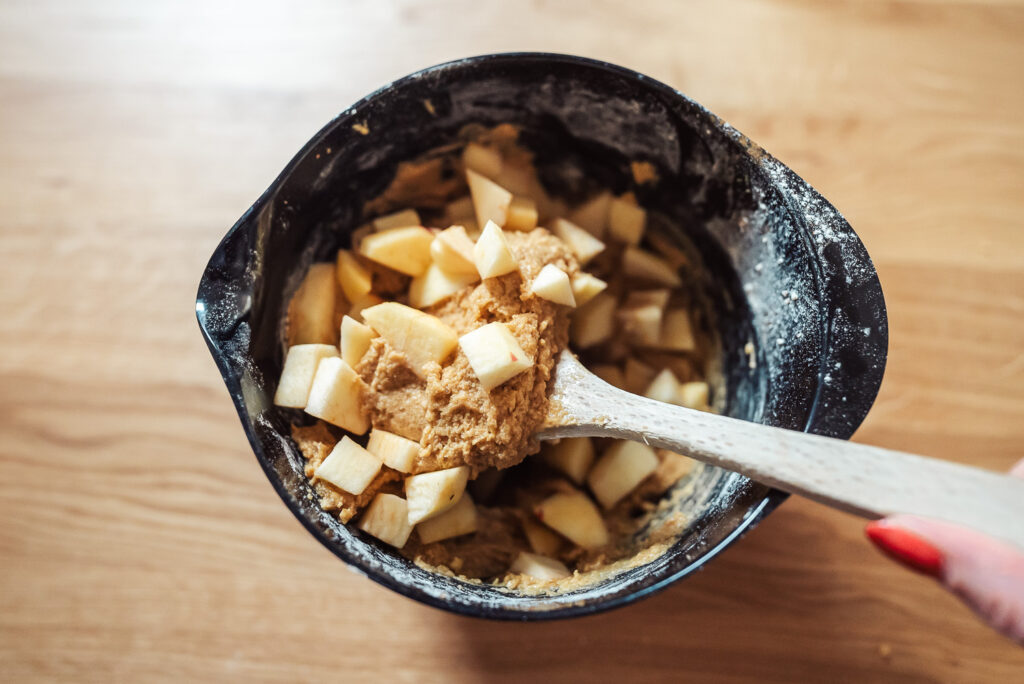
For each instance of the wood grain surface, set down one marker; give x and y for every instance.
(139, 540)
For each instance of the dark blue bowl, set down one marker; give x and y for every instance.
(783, 269)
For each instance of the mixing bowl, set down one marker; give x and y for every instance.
(798, 307)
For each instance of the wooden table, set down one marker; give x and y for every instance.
(139, 539)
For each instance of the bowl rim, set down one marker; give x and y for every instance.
(770, 500)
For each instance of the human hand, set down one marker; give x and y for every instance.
(987, 574)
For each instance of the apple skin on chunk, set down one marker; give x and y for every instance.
(334, 396)
(406, 250)
(491, 253)
(622, 467)
(387, 519)
(311, 312)
(297, 375)
(552, 283)
(458, 520)
(494, 354)
(539, 567)
(355, 340)
(431, 494)
(574, 515)
(421, 337)
(349, 467)
(490, 200)
(396, 451)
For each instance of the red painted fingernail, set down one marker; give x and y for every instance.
(906, 547)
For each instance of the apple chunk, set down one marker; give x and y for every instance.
(494, 354)
(695, 395)
(574, 515)
(458, 520)
(677, 332)
(311, 312)
(586, 286)
(406, 250)
(642, 265)
(354, 278)
(572, 456)
(400, 219)
(491, 254)
(626, 221)
(592, 215)
(490, 200)
(436, 285)
(664, 387)
(452, 250)
(483, 160)
(552, 283)
(539, 567)
(355, 340)
(594, 323)
(622, 467)
(334, 396)
(421, 337)
(387, 519)
(584, 245)
(431, 494)
(297, 375)
(396, 451)
(522, 214)
(349, 467)
(541, 539)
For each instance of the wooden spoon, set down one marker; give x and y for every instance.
(863, 480)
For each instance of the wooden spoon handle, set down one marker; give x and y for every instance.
(864, 480)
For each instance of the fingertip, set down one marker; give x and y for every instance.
(905, 547)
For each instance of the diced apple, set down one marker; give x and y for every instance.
(297, 375)
(458, 520)
(542, 540)
(358, 305)
(483, 160)
(355, 340)
(592, 215)
(396, 451)
(494, 354)
(642, 265)
(311, 312)
(354, 278)
(431, 494)
(586, 286)
(638, 375)
(572, 456)
(522, 214)
(406, 250)
(359, 233)
(694, 395)
(436, 285)
(452, 250)
(456, 211)
(610, 373)
(539, 567)
(490, 200)
(400, 219)
(622, 467)
(491, 253)
(387, 519)
(658, 298)
(677, 331)
(421, 337)
(641, 324)
(584, 245)
(594, 323)
(664, 387)
(626, 221)
(574, 515)
(334, 396)
(349, 467)
(552, 283)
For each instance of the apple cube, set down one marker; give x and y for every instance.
(354, 278)
(311, 312)
(574, 515)
(458, 520)
(297, 375)
(572, 456)
(400, 219)
(522, 214)
(594, 323)
(490, 200)
(457, 211)
(694, 395)
(677, 332)
(452, 250)
(355, 340)
(638, 375)
(626, 221)
(592, 215)
(349, 467)
(642, 324)
(431, 494)
(491, 254)
(642, 265)
(334, 396)
(406, 250)
(494, 354)
(622, 467)
(552, 283)
(541, 539)
(436, 285)
(539, 567)
(387, 519)
(485, 161)
(586, 286)
(664, 387)
(397, 452)
(584, 245)
(421, 337)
